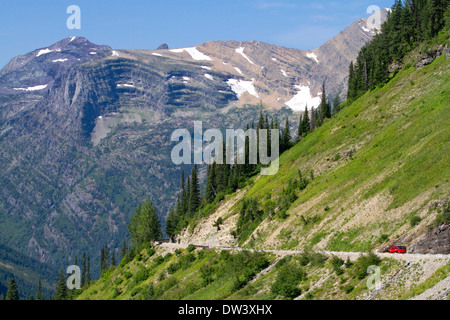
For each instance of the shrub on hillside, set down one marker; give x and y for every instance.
(363, 263)
(288, 279)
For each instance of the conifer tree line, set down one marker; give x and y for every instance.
(410, 23)
(223, 178)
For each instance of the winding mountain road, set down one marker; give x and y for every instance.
(407, 257)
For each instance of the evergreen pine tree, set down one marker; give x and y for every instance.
(113, 258)
(61, 291)
(325, 110)
(351, 94)
(187, 198)
(173, 222)
(313, 119)
(300, 127)
(306, 123)
(124, 250)
(144, 226)
(336, 104)
(286, 138)
(13, 291)
(194, 196)
(83, 270)
(210, 179)
(88, 270)
(39, 293)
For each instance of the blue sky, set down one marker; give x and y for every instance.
(26, 25)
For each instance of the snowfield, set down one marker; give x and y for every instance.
(36, 88)
(241, 52)
(241, 86)
(194, 53)
(125, 85)
(312, 56)
(238, 70)
(44, 51)
(303, 98)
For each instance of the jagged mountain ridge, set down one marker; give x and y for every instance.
(279, 76)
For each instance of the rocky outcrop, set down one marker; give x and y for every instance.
(430, 56)
(436, 241)
(164, 46)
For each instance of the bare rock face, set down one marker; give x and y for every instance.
(447, 52)
(430, 56)
(164, 46)
(436, 241)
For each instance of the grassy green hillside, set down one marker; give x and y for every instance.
(381, 161)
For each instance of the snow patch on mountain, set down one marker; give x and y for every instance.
(241, 52)
(194, 53)
(208, 76)
(43, 51)
(115, 54)
(60, 60)
(303, 98)
(35, 88)
(241, 86)
(238, 70)
(125, 85)
(312, 56)
(284, 73)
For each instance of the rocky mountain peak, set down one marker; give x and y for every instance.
(164, 46)
(38, 69)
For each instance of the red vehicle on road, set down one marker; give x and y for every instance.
(397, 249)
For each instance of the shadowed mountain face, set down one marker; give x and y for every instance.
(85, 130)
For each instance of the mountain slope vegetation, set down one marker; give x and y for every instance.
(380, 161)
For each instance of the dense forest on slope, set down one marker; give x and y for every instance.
(27, 273)
(411, 24)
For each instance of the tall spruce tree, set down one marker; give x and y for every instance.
(39, 292)
(210, 193)
(325, 109)
(13, 290)
(61, 291)
(83, 269)
(144, 226)
(286, 137)
(194, 195)
(336, 104)
(124, 250)
(306, 123)
(300, 127)
(88, 270)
